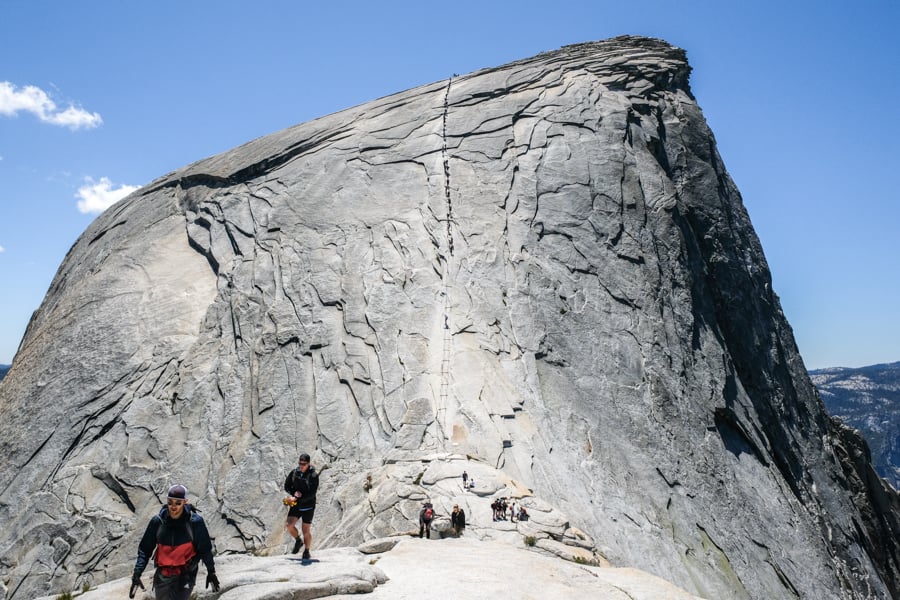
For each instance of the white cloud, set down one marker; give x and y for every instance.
(36, 101)
(97, 196)
(2, 249)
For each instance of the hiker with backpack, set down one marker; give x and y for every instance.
(177, 540)
(301, 485)
(426, 516)
(458, 520)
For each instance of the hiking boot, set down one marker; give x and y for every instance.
(298, 543)
(306, 554)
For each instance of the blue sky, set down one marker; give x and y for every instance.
(99, 96)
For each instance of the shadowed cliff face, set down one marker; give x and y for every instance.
(542, 268)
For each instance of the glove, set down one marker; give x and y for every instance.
(135, 584)
(212, 580)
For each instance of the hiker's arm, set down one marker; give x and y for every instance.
(146, 547)
(203, 544)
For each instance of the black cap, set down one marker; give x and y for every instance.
(304, 458)
(177, 491)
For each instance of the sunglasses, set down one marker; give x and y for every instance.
(303, 462)
(171, 502)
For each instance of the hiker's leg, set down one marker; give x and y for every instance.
(183, 592)
(307, 534)
(172, 588)
(292, 527)
(307, 516)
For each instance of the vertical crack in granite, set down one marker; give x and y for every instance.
(446, 336)
(446, 160)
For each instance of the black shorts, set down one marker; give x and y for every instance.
(304, 514)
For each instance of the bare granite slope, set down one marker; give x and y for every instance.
(413, 569)
(540, 273)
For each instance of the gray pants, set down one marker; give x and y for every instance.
(425, 527)
(178, 587)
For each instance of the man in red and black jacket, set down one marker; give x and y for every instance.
(180, 540)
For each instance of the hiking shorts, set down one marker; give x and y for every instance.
(304, 514)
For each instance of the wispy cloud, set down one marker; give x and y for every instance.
(97, 196)
(2, 249)
(32, 99)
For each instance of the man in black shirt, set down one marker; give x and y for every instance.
(301, 484)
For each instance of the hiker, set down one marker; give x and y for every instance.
(458, 520)
(301, 484)
(178, 540)
(465, 477)
(499, 508)
(426, 515)
(523, 514)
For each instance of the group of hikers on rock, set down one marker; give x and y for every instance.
(426, 516)
(504, 509)
(176, 539)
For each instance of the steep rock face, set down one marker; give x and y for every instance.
(540, 271)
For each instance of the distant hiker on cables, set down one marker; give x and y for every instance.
(301, 485)
(178, 540)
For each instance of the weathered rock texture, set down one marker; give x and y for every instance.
(541, 273)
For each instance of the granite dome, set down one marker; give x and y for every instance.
(540, 272)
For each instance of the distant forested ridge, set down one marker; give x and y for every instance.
(868, 399)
